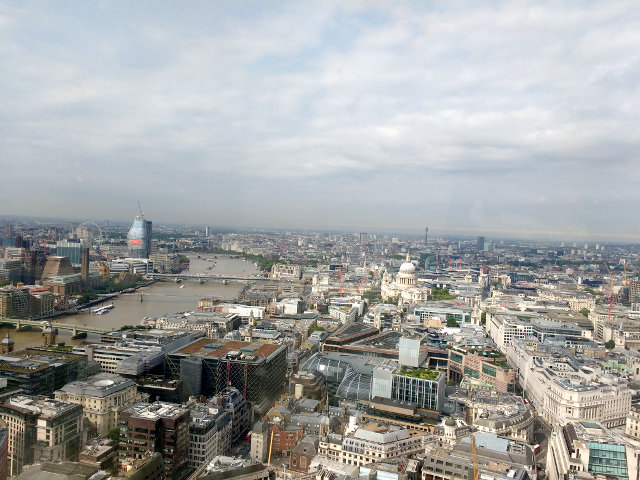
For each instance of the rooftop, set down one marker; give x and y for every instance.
(100, 385)
(216, 347)
(156, 410)
(44, 407)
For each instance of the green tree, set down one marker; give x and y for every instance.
(610, 345)
(452, 322)
(114, 434)
(483, 317)
(438, 293)
(585, 312)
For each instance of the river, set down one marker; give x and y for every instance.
(157, 299)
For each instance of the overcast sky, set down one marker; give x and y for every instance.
(504, 118)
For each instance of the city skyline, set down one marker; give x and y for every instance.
(509, 120)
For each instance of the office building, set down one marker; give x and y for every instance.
(10, 270)
(139, 238)
(101, 396)
(232, 401)
(41, 372)
(209, 432)
(70, 248)
(498, 458)
(208, 366)
(371, 443)
(590, 451)
(4, 450)
(633, 423)
(41, 429)
(499, 413)
(481, 367)
(420, 386)
(161, 427)
(480, 243)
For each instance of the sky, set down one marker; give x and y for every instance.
(487, 118)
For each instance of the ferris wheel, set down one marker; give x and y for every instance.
(91, 232)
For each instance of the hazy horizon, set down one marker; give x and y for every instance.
(515, 119)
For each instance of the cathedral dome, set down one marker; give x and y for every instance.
(407, 266)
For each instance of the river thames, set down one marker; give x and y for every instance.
(157, 299)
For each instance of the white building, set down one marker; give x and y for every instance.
(560, 390)
(370, 444)
(504, 328)
(404, 285)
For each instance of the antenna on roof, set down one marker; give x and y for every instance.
(140, 208)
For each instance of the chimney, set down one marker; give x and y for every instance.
(84, 268)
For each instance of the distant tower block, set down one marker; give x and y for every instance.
(426, 234)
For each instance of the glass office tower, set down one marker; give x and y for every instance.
(139, 238)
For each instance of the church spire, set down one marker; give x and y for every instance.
(408, 256)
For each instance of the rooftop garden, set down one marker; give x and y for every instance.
(424, 373)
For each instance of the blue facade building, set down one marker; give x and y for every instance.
(139, 238)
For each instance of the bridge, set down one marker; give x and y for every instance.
(206, 276)
(75, 329)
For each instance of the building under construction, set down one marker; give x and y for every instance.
(207, 366)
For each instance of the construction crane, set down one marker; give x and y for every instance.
(140, 208)
(270, 446)
(474, 457)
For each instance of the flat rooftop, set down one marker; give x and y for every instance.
(217, 347)
(156, 410)
(99, 386)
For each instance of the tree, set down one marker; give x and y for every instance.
(585, 312)
(483, 317)
(452, 322)
(610, 345)
(114, 434)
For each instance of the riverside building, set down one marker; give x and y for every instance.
(139, 238)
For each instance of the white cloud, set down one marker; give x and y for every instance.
(402, 107)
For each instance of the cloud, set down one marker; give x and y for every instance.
(318, 115)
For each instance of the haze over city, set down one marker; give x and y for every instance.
(512, 118)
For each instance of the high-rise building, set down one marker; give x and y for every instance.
(480, 243)
(10, 270)
(426, 233)
(71, 248)
(139, 238)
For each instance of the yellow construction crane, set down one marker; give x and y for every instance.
(474, 457)
(270, 446)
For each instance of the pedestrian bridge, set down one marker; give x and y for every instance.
(206, 276)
